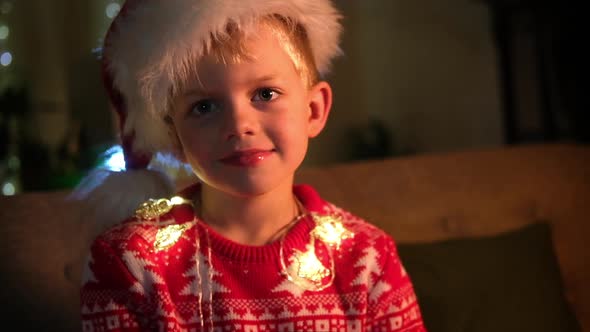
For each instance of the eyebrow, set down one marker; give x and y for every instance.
(264, 78)
(199, 91)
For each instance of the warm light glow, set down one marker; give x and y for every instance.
(177, 200)
(309, 267)
(8, 189)
(169, 235)
(331, 231)
(4, 32)
(5, 7)
(112, 9)
(6, 59)
(154, 208)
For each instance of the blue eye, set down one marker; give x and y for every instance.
(203, 107)
(265, 94)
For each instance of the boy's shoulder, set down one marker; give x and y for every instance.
(356, 224)
(363, 229)
(156, 223)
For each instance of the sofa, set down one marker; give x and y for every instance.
(494, 239)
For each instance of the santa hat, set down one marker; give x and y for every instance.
(148, 50)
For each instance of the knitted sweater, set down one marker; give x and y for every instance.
(193, 279)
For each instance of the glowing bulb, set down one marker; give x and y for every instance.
(330, 230)
(309, 266)
(112, 9)
(169, 235)
(177, 200)
(4, 32)
(8, 189)
(115, 160)
(6, 59)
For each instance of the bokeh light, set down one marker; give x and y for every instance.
(8, 189)
(114, 159)
(4, 32)
(6, 59)
(5, 7)
(112, 9)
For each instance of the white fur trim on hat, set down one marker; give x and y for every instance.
(112, 196)
(149, 49)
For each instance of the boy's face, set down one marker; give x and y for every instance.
(244, 127)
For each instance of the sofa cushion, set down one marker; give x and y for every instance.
(507, 282)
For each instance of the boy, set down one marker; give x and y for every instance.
(233, 89)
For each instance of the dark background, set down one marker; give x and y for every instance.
(416, 77)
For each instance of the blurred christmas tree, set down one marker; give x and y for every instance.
(12, 102)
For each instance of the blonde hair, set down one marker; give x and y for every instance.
(230, 48)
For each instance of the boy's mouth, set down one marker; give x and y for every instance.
(246, 158)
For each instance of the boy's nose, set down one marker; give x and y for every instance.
(239, 120)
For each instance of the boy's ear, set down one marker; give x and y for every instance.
(320, 103)
(176, 144)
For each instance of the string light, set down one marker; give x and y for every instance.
(6, 59)
(114, 159)
(8, 189)
(112, 10)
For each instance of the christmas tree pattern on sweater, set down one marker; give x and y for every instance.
(205, 282)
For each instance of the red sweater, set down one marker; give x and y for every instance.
(196, 280)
